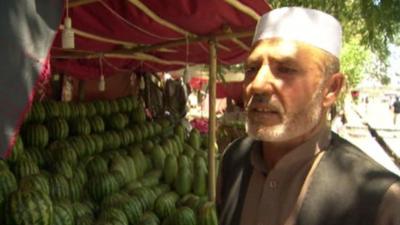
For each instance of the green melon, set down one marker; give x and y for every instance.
(149, 218)
(59, 187)
(17, 151)
(138, 116)
(164, 205)
(23, 168)
(133, 209)
(35, 155)
(63, 214)
(170, 170)
(52, 109)
(195, 139)
(101, 186)
(35, 135)
(158, 157)
(90, 109)
(184, 216)
(96, 165)
(29, 207)
(183, 181)
(97, 124)
(117, 121)
(114, 215)
(37, 182)
(80, 126)
(8, 184)
(57, 128)
(36, 114)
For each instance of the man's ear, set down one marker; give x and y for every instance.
(332, 89)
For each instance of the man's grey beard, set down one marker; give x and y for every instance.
(293, 125)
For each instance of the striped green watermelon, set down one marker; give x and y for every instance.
(52, 109)
(207, 214)
(8, 184)
(59, 187)
(132, 209)
(63, 214)
(117, 121)
(101, 186)
(35, 135)
(114, 215)
(24, 167)
(36, 114)
(58, 128)
(29, 207)
(158, 157)
(97, 124)
(37, 182)
(164, 205)
(149, 218)
(80, 126)
(170, 169)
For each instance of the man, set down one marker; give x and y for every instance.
(292, 169)
(396, 110)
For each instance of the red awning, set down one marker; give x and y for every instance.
(106, 32)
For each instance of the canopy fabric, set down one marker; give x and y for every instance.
(108, 33)
(28, 29)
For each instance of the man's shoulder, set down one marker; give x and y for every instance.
(344, 153)
(239, 146)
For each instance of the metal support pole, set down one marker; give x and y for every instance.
(212, 121)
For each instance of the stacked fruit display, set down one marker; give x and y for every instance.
(104, 163)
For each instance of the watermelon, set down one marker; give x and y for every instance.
(164, 205)
(97, 124)
(101, 186)
(59, 187)
(35, 135)
(29, 207)
(207, 215)
(195, 139)
(80, 126)
(158, 157)
(38, 182)
(184, 216)
(114, 215)
(170, 170)
(63, 214)
(36, 114)
(24, 168)
(8, 184)
(183, 181)
(52, 109)
(149, 218)
(117, 121)
(96, 165)
(17, 150)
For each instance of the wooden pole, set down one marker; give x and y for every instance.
(212, 121)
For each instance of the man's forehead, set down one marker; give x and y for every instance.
(280, 49)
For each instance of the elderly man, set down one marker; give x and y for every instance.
(292, 169)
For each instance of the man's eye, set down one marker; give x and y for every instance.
(286, 70)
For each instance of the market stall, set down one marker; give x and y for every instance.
(102, 56)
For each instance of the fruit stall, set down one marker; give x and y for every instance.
(92, 147)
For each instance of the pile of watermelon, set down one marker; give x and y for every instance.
(104, 163)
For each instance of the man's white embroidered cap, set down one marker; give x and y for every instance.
(311, 26)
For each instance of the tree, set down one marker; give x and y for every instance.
(376, 23)
(353, 60)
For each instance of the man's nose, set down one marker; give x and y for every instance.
(263, 81)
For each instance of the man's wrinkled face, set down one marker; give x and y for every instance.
(283, 90)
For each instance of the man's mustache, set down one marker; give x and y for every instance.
(268, 103)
